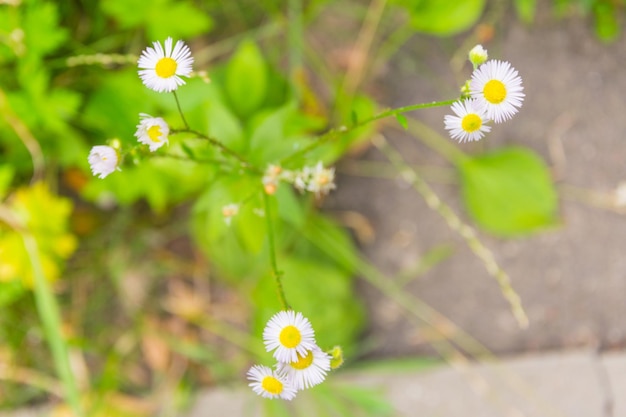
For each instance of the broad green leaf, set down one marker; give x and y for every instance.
(246, 79)
(443, 17)
(509, 192)
(526, 9)
(279, 133)
(289, 208)
(161, 18)
(323, 293)
(224, 126)
(177, 19)
(41, 29)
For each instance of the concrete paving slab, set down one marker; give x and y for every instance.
(573, 384)
(546, 385)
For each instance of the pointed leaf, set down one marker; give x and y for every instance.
(402, 120)
(509, 192)
(246, 79)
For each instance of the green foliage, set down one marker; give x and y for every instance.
(246, 79)
(321, 291)
(443, 17)
(509, 191)
(160, 18)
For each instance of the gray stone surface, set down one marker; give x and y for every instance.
(547, 385)
(572, 280)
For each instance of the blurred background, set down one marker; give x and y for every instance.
(132, 296)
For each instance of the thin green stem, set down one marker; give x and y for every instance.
(272, 246)
(333, 133)
(180, 110)
(225, 149)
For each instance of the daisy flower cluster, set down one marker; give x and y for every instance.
(301, 364)
(315, 179)
(494, 93)
(160, 69)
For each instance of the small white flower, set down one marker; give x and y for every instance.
(469, 122)
(478, 55)
(161, 67)
(321, 180)
(309, 370)
(270, 384)
(152, 131)
(497, 86)
(290, 334)
(229, 211)
(103, 160)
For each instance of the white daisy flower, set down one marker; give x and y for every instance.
(270, 384)
(161, 67)
(152, 131)
(103, 160)
(309, 370)
(290, 334)
(497, 85)
(469, 122)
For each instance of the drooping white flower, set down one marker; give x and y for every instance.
(270, 384)
(103, 160)
(309, 370)
(288, 334)
(497, 86)
(478, 55)
(152, 131)
(162, 66)
(469, 122)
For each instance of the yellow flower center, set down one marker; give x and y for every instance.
(303, 362)
(154, 132)
(494, 91)
(166, 67)
(471, 123)
(272, 385)
(290, 337)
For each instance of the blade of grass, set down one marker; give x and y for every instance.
(48, 310)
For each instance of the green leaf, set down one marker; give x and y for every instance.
(246, 79)
(402, 120)
(354, 117)
(41, 29)
(161, 18)
(443, 17)
(323, 293)
(526, 10)
(509, 192)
